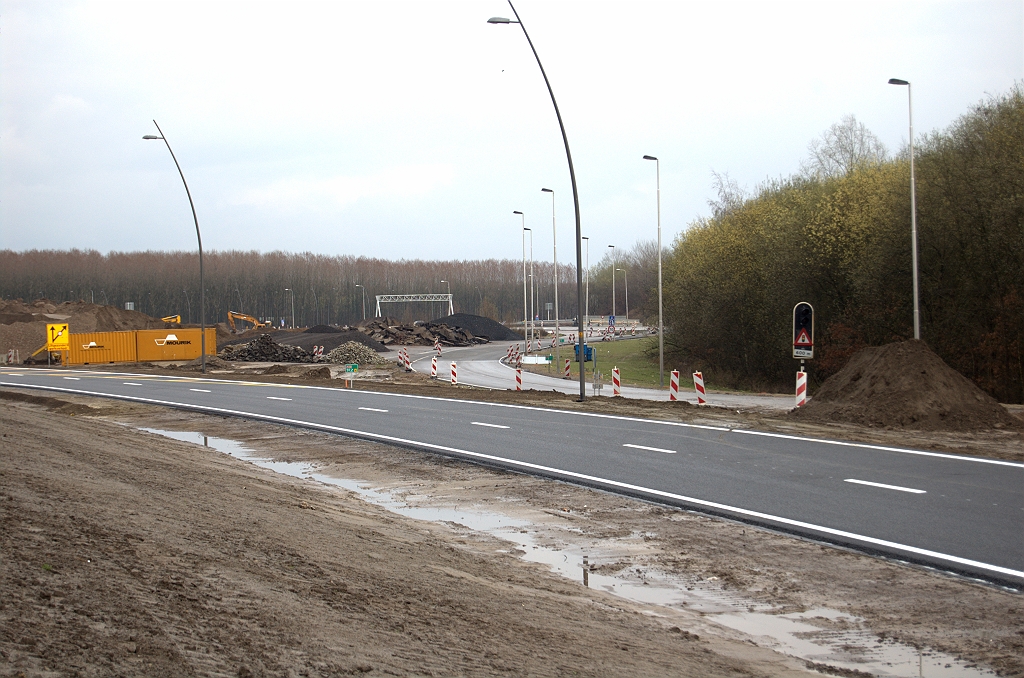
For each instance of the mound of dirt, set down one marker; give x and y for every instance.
(331, 340)
(904, 385)
(479, 326)
(355, 352)
(265, 349)
(321, 329)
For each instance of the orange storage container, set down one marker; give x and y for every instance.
(101, 347)
(179, 344)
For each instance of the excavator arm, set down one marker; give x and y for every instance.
(232, 316)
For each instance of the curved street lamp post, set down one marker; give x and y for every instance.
(575, 193)
(913, 205)
(199, 237)
(364, 300)
(661, 324)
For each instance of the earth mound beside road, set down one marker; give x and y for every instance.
(479, 326)
(904, 385)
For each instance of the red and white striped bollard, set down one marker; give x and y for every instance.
(616, 382)
(433, 367)
(455, 378)
(567, 371)
(801, 389)
(698, 385)
(673, 386)
(519, 379)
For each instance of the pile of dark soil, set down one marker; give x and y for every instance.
(321, 329)
(265, 349)
(390, 331)
(479, 326)
(904, 385)
(330, 340)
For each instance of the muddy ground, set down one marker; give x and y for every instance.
(127, 553)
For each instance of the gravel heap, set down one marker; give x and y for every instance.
(479, 326)
(265, 349)
(904, 386)
(354, 352)
(390, 331)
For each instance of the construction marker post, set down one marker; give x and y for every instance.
(673, 386)
(567, 370)
(455, 376)
(698, 385)
(519, 379)
(433, 367)
(616, 382)
(801, 388)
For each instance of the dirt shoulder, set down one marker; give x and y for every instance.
(129, 553)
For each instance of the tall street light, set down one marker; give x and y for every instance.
(287, 289)
(661, 322)
(364, 300)
(626, 279)
(451, 310)
(526, 333)
(614, 262)
(199, 237)
(575, 193)
(913, 205)
(554, 245)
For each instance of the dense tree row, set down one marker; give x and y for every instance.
(838, 236)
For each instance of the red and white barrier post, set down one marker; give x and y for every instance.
(437, 346)
(433, 367)
(801, 389)
(616, 382)
(455, 377)
(673, 386)
(519, 379)
(567, 371)
(408, 362)
(698, 385)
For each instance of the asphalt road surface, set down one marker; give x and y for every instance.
(956, 513)
(481, 366)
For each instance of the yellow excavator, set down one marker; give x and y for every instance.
(172, 319)
(232, 316)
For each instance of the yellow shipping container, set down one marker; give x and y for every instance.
(176, 344)
(101, 347)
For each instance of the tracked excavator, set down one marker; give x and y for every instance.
(232, 317)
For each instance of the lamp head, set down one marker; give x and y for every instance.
(500, 20)
(897, 81)
(516, 212)
(584, 237)
(526, 228)
(546, 190)
(151, 136)
(649, 157)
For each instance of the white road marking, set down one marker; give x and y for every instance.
(652, 449)
(884, 486)
(561, 472)
(201, 390)
(131, 383)
(274, 398)
(73, 378)
(372, 409)
(481, 423)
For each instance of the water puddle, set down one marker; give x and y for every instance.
(834, 638)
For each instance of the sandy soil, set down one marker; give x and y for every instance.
(127, 553)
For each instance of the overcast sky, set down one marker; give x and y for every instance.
(414, 129)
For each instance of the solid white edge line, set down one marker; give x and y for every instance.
(200, 390)
(884, 486)
(652, 449)
(900, 450)
(483, 423)
(272, 397)
(73, 378)
(372, 409)
(130, 383)
(548, 469)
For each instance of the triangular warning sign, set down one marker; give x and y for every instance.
(803, 339)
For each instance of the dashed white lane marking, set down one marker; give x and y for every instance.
(652, 449)
(73, 378)
(130, 383)
(483, 423)
(274, 398)
(372, 409)
(884, 486)
(201, 390)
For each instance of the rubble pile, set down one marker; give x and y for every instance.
(480, 326)
(265, 349)
(390, 331)
(354, 352)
